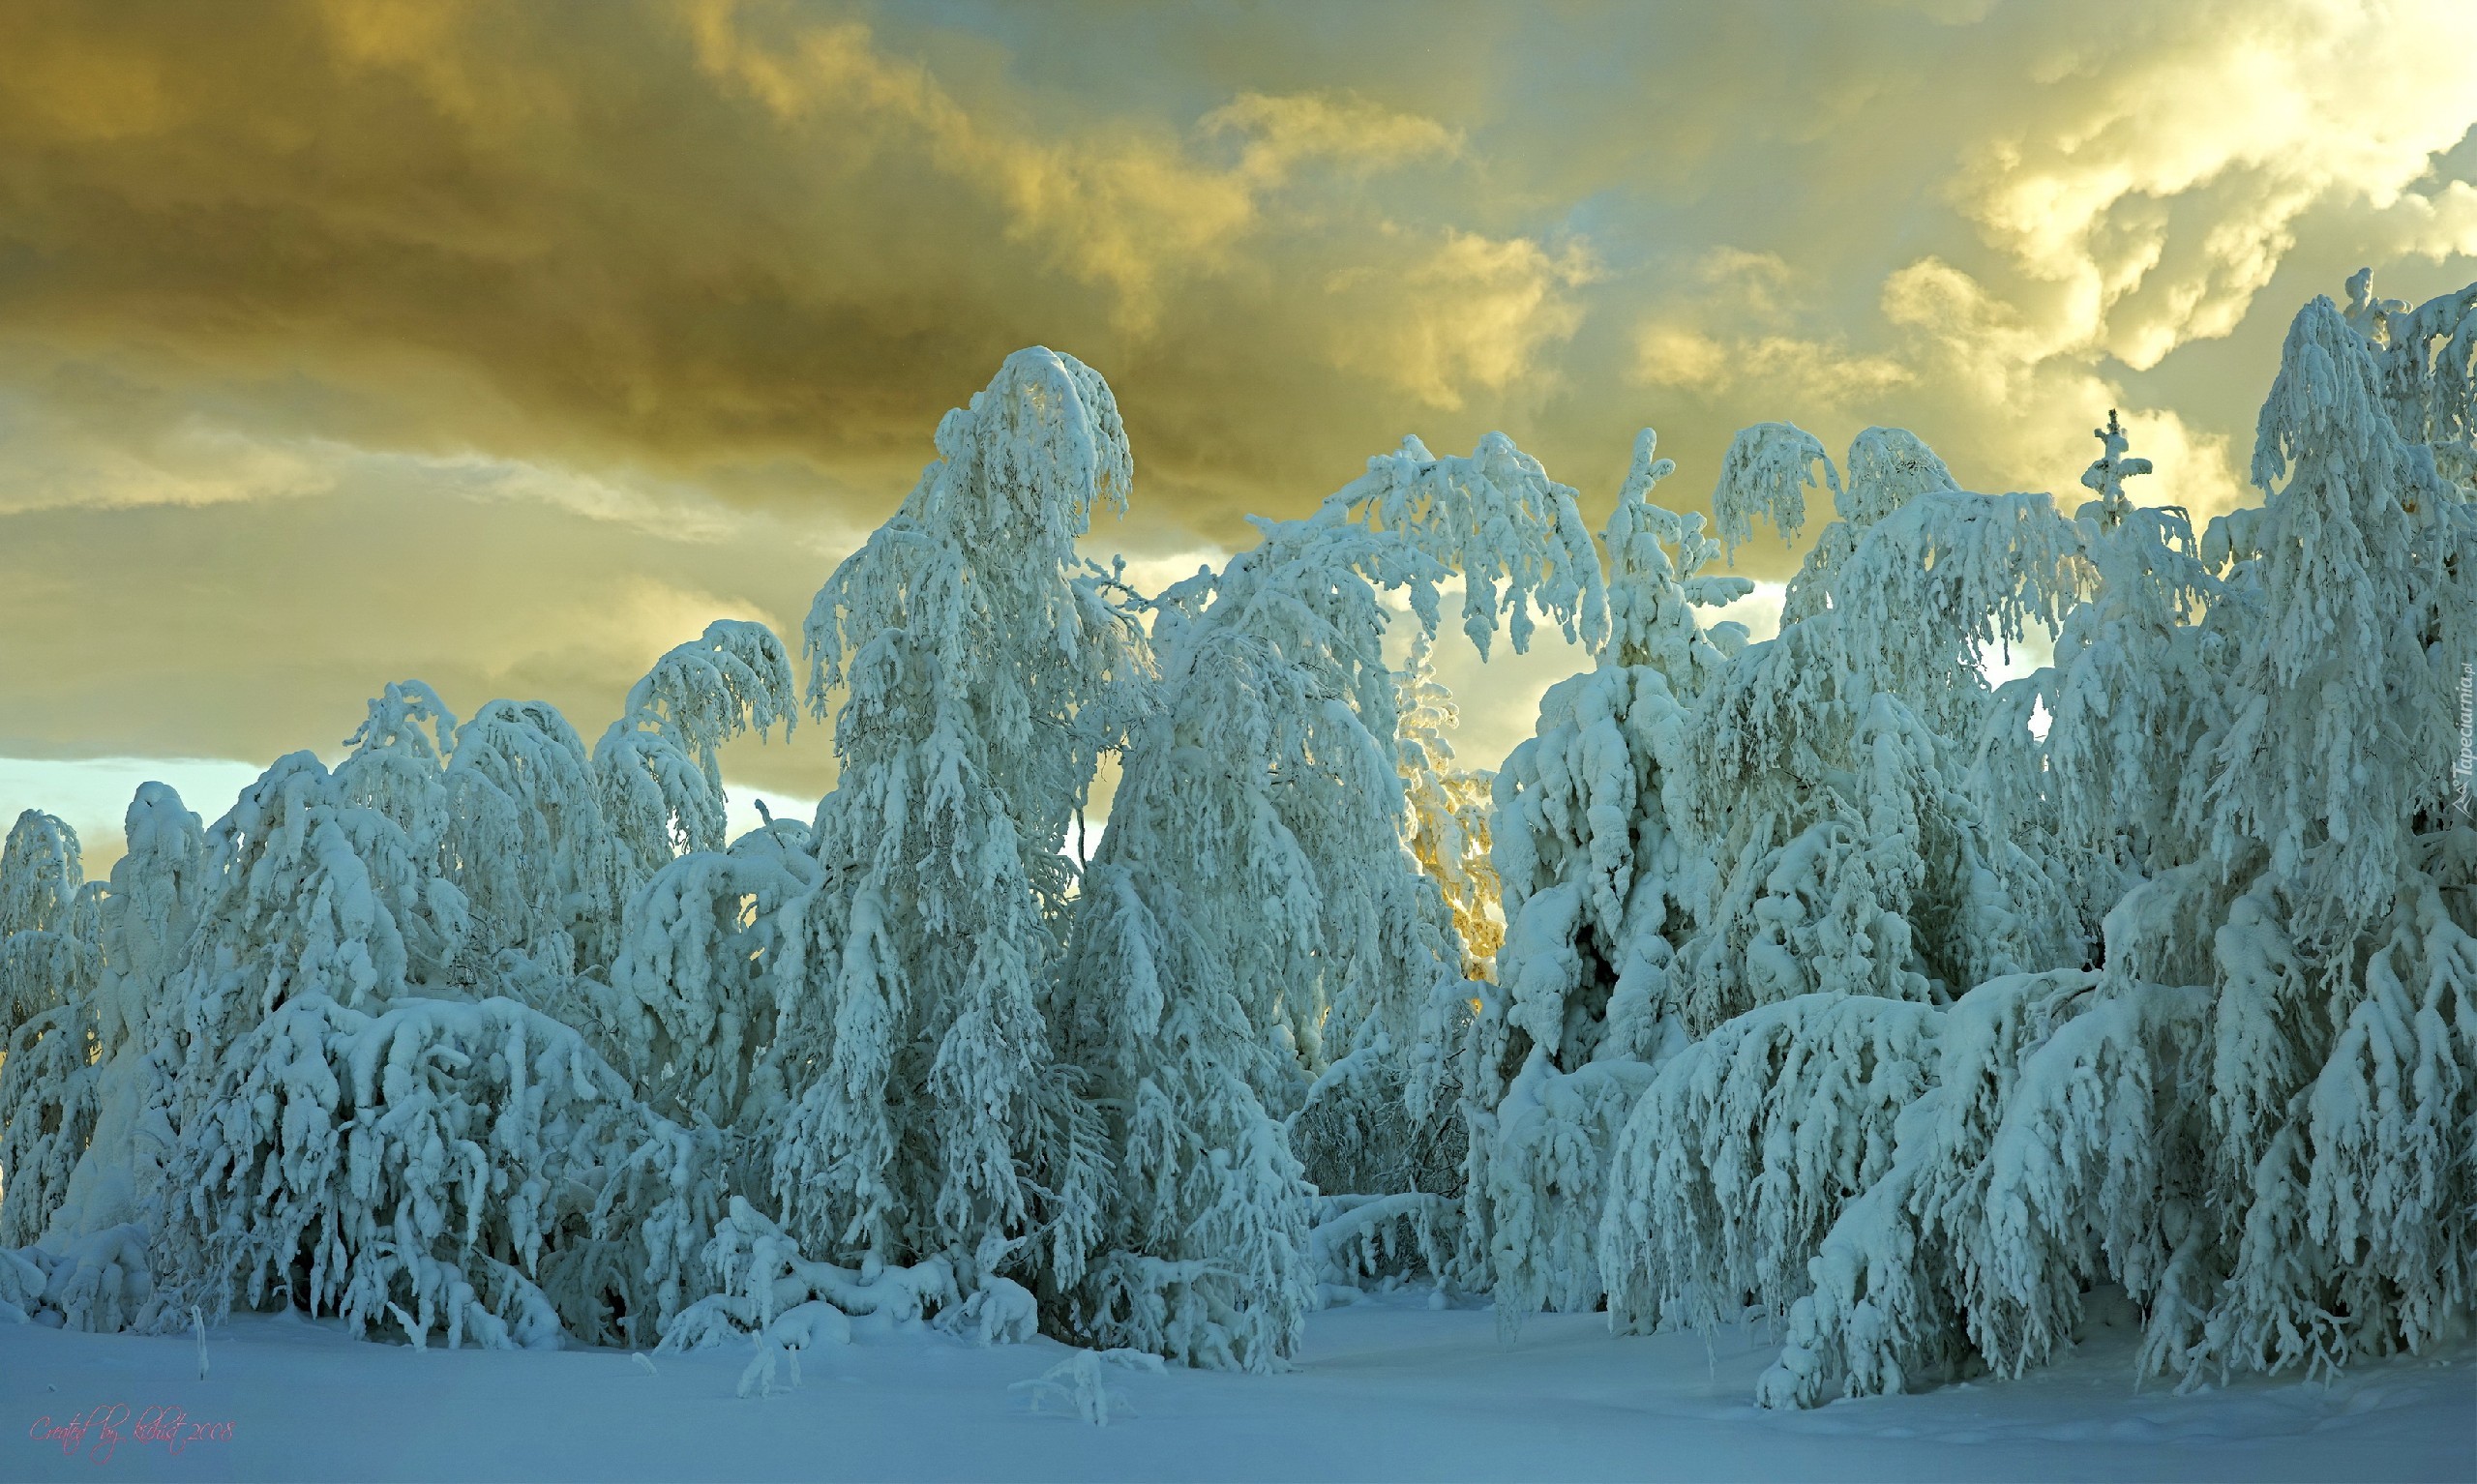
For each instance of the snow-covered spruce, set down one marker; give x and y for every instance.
(2343, 1104)
(2256, 1118)
(2124, 702)
(469, 1168)
(2045, 1160)
(981, 668)
(147, 917)
(435, 871)
(1829, 762)
(1599, 880)
(1737, 1160)
(1715, 831)
(46, 960)
(1253, 912)
(51, 959)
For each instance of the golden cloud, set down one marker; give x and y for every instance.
(347, 340)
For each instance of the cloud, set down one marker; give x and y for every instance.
(2158, 188)
(1282, 133)
(1132, 209)
(1471, 314)
(349, 339)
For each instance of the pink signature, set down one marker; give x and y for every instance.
(167, 1425)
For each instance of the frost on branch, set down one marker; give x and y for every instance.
(1076, 1383)
(1831, 765)
(2429, 362)
(2360, 596)
(2341, 1125)
(1887, 467)
(1304, 606)
(1493, 518)
(398, 752)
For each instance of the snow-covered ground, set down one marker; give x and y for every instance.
(1383, 1389)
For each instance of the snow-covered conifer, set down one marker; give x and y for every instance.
(50, 960)
(306, 891)
(2343, 1027)
(1253, 913)
(2041, 1162)
(147, 917)
(2256, 1118)
(1830, 760)
(465, 1167)
(1601, 884)
(1737, 1161)
(2124, 702)
(692, 1013)
(981, 668)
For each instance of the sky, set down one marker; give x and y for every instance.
(505, 345)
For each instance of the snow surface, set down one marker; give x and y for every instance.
(1386, 1388)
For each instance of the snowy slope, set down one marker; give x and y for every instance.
(1383, 1390)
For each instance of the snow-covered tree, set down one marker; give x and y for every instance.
(2344, 1025)
(527, 843)
(1830, 760)
(471, 1168)
(42, 962)
(1253, 909)
(692, 1013)
(40, 869)
(2033, 1167)
(2255, 1114)
(1732, 1168)
(1601, 884)
(2123, 703)
(981, 668)
(51, 959)
(145, 921)
(307, 891)
(350, 1113)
